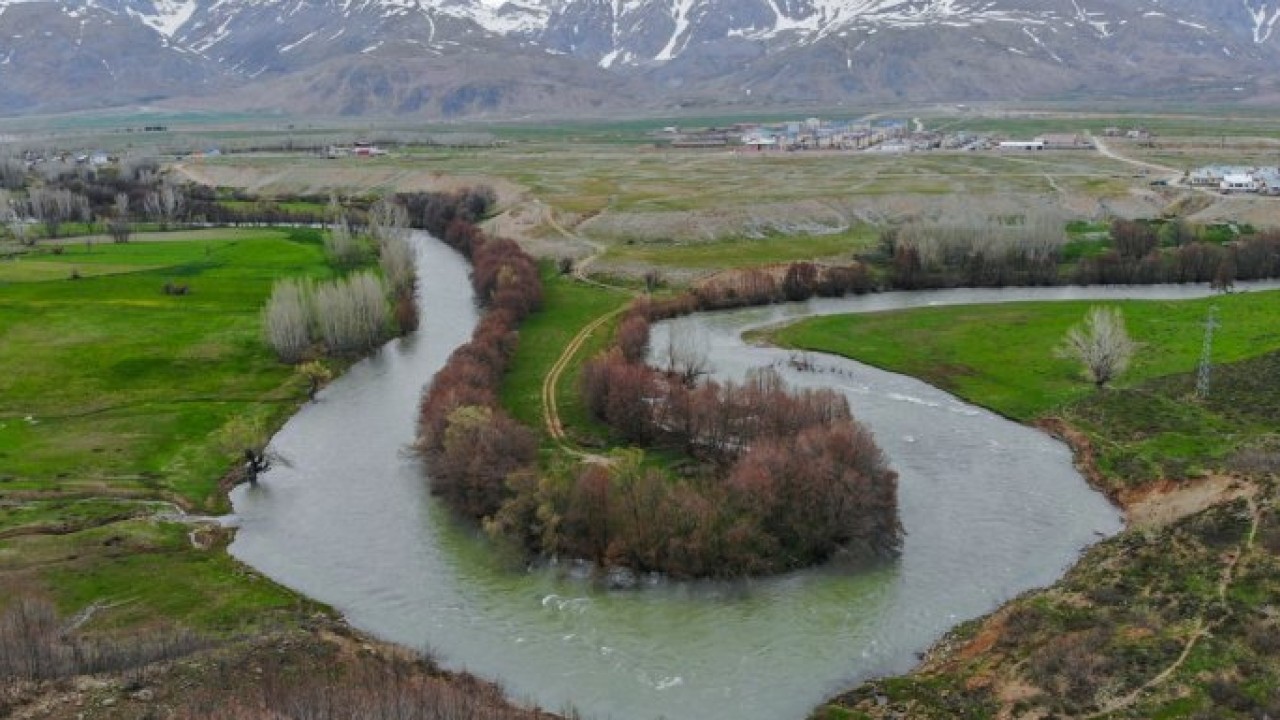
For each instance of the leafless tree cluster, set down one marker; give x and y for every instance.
(389, 231)
(286, 320)
(975, 251)
(795, 481)
(342, 245)
(351, 313)
(166, 203)
(388, 220)
(473, 449)
(436, 212)
(13, 216)
(1137, 260)
(346, 315)
(13, 173)
(55, 206)
(34, 645)
(119, 226)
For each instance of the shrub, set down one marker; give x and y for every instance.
(341, 244)
(35, 646)
(286, 320)
(351, 313)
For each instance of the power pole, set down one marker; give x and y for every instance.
(1206, 354)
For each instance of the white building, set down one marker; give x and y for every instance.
(1238, 182)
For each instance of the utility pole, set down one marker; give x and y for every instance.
(1206, 354)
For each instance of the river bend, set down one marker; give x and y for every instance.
(991, 509)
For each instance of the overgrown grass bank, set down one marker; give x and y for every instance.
(115, 395)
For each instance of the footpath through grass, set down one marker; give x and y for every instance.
(1002, 357)
(114, 395)
(568, 306)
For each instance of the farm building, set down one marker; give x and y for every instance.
(1213, 175)
(1238, 182)
(1037, 144)
(760, 140)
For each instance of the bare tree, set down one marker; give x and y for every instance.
(397, 261)
(341, 244)
(687, 351)
(286, 320)
(119, 226)
(165, 204)
(53, 207)
(1101, 344)
(351, 313)
(12, 213)
(388, 220)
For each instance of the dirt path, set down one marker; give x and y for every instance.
(1103, 149)
(551, 383)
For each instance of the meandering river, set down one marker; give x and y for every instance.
(991, 508)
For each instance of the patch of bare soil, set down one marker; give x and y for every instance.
(1165, 503)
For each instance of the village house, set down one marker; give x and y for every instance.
(1211, 176)
(1238, 182)
(1268, 181)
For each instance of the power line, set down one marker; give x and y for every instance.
(1206, 354)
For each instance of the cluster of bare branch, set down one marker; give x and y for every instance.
(346, 315)
(35, 644)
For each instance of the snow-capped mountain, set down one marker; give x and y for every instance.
(415, 56)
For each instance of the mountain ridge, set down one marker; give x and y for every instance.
(656, 52)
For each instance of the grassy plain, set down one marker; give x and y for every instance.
(115, 396)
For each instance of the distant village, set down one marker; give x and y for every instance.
(865, 136)
(898, 136)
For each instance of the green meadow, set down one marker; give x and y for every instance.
(115, 397)
(1149, 426)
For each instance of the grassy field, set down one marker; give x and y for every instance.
(115, 396)
(1002, 357)
(568, 306)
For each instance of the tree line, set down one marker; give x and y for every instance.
(995, 252)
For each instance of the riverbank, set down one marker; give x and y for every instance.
(1168, 619)
(122, 408)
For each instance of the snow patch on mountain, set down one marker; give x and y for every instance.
(1265, 16)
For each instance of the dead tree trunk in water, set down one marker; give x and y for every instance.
(254, 462)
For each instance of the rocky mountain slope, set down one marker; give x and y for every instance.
(451, 58)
